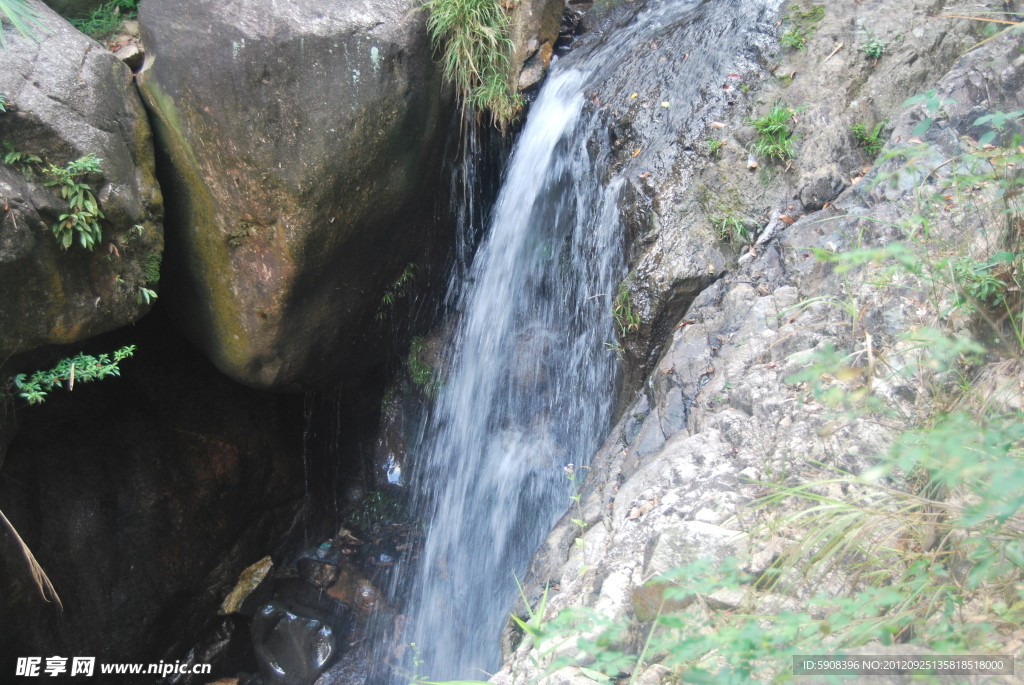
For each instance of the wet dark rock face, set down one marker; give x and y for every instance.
(143, 497)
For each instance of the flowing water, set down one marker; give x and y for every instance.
(529, 383)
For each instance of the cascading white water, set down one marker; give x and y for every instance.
(529, 388)
(529, 382)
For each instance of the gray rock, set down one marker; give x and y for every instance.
(534, 30)
(69, 98)
(304, 141)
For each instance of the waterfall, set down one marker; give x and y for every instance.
(529, 382)
(528, 389)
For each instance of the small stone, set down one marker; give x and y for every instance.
(248, 581)
(317, 573)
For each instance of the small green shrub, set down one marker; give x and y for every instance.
(714, 146)
(22, 17)
(106, 19)
(83, 211)
(873, 46)
(774, 139)
(869, 139)
(3, 103)
(473, 36)
(81, 368)
(22, 161)
(626, 318)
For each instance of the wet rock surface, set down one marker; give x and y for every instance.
(715, 417)
(303, 150)
(67, 98)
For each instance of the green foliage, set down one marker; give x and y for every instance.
(22, 17)
(151, 267)
(398, 289)
(774, 139)
(83, 211)
(801, 25)
(626, 318)
(82, 368)
(106, 19)
(873, 46)
(3, 104)
(473, 35)
(714, 146)
(794, 38)
(869, 139)
(22, 161)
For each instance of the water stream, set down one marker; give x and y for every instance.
(529, 383)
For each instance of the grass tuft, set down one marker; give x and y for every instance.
(473, 35)
(775, 139)
(106, 19)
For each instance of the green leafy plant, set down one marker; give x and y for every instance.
(794, 38)
(3, 104)
(22, 17)
(146, 296)
(82, 368)
(106, 19)
(476, 50)
(22, 161)
(869, 139)
(83, 211)
(774, 139)
(873, 46)
(626, 318)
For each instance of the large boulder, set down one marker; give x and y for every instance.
(69, 97)
(304, 144)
